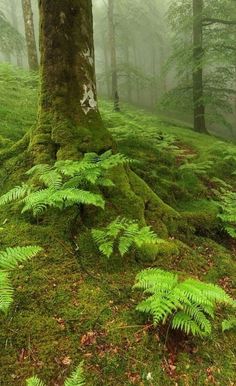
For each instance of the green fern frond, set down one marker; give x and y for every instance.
(6, 291)
(34, 381)
(199, 168)
(66, 183)
(39, 201)
(51, 179)
(125, 243)
(11, 257)
(39, 169)
(153, 280)
(227, 215)
(9, 260)
(159, 306)
(126, 233)
(77, 377)
(184, 322)
(76, 196)
(17, 193)
(228, 324)
(190, 302)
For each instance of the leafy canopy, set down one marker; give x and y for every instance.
(187, 304)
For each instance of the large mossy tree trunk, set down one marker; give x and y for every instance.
(30, 35)
(198, 94)
(69, 123)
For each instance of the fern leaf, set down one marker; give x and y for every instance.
(153, 279)
(39, 169)
(76, 196)
(17, 193)
(10, 258)
(228, 324)
(77, 378)
(34, 381)
(184, 322)
(159, 307)
(192, 302)
(125, 243)
(52, 179)
(6, 291)
(106, 248)
(196, 314)
(38, 201)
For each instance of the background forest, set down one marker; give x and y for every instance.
(118, 224)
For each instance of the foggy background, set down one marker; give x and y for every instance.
(153, 43)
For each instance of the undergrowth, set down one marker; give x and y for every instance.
(70, 306)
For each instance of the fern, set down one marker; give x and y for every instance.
(200, 168)
(17, 193)
(6, 291)
(65, 183)
(228, 324)
(188, 304)
(34, 381)
(126, 233)
(76, 379)
(227, 215)
(9, 260)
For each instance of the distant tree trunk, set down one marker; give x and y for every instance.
(198, 103)
(154, 92)
(69, 123)
(128, 74)
(138, 96)
(16, 25)
(7, 57)
(112, 42)
(106, 66)
(30, 35)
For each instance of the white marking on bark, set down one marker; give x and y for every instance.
(62, 17)
(88, 56)
(88, 102)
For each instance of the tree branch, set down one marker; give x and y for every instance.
(209, 21)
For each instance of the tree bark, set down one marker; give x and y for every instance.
(112, 41)
(30, 35)
(198, 103)
(107, 66)
(69, 123)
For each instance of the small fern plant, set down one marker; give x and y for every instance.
(198, 168)
(227, 207)
(186, 305)
(125, 234)
(65, 184)
(76, 379)
(9, 260)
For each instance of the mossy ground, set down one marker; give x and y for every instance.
(72, 306)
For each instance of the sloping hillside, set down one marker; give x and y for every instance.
(71, 306)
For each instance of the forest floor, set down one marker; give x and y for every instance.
(69, 308)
